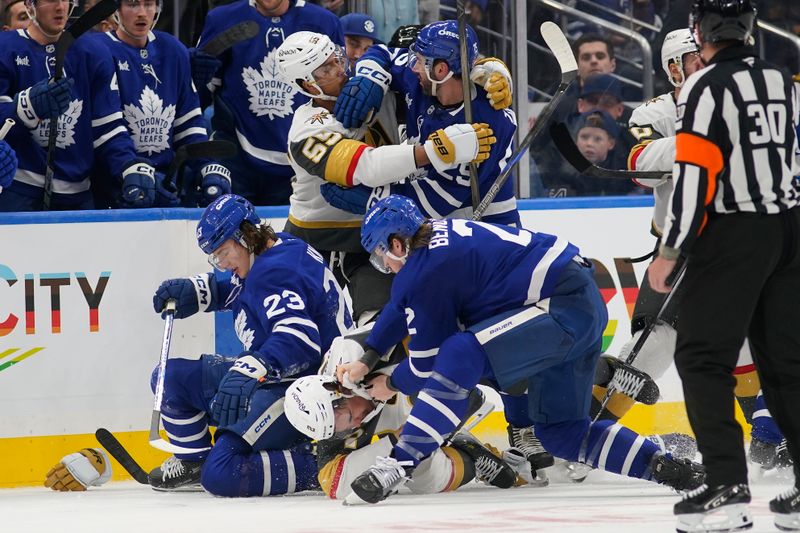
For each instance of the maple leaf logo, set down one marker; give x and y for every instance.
(66, 126)
(270, 94)
(240, 326)
(150, 123)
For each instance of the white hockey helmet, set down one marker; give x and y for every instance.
(302, 53)
(676, 44)
(309, 405)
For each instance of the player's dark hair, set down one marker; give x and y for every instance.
(257, 237)
(7, 11)
(592, 38)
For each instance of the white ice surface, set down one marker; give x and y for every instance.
(602, 504)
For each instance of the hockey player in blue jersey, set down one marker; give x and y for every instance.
(86, 102)
(253, 105)
(159, 102)
(429, 77)
(485, 301)
(8, 165)
(287, 310)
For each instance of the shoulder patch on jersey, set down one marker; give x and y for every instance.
(319, 118)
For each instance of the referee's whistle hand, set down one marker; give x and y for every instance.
(658, 272)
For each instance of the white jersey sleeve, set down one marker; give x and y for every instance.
(652, 124)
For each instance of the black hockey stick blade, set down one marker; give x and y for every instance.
(569, 150)
(108, 441)
(94, 16)
(101, 11)
(233, 35)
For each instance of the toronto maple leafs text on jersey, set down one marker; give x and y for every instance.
(288, 309)
(249, 85)
(92, 123)
(159, 102)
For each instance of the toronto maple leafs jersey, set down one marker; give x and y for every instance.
(469, 272)
(160, 105)
(92, 123)
(288, 309)
(449, 194)
(249, 84)
(652, 124)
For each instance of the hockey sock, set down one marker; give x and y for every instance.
(617, 406)
(747, 388)
(602, 444)
(764, 427)
(515, 409)
(463, 468)
(234, 469)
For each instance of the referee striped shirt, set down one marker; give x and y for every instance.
(735, 145)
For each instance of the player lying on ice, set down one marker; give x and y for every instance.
(344, 421)
(530, 311)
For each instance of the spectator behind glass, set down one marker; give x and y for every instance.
(596, 136)
(359, 34)
(14, 15)
(390, 14)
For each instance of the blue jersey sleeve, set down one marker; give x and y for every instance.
(111, 139)
(189, 126)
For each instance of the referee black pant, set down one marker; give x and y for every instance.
(742, 280)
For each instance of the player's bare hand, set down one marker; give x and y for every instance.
(379, 389)
(351, 373)
(658, 272)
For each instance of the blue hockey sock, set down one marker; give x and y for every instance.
(764, 427)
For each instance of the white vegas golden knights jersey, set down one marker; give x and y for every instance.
(321, 149)
(653, 126)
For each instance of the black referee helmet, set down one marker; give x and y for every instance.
(723, 20)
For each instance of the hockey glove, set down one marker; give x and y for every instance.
(8, 165)
(139, 185)
(204, 66)
(43, 100)
(166, 192)
(459, 143)
(80, 470)
(191, 294)
(232, 401)
(362, 95)
(493, 75)
(352, 199)
(215, 181)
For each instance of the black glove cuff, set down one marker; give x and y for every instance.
(370, 357)
(390, 385)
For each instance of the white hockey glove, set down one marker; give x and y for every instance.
(459, 143)
(78, 471)
(493, 75)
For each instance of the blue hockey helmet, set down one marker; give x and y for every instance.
(393, 215)
(222, 220)
(439, 40)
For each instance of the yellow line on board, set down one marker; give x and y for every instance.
(24, 461)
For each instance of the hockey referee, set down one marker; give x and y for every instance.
(734, 213)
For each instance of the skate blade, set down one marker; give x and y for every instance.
(787, 522)
(728, 518)
(353, 499)
(186, 488)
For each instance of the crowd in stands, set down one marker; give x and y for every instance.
(596, 109)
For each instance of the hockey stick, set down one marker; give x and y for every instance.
(615, 384)
(155, 420)
(467, 92)
(564, 143)
(560, 48)
(233, 35)
(101, 11)
(205, 149)
(113, 446)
